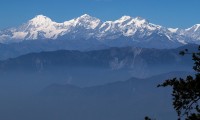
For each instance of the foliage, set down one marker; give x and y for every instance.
(186, 92)
(147, 118)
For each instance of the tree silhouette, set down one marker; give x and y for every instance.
(186, 92)
(147, 118)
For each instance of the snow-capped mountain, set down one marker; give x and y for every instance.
(127, 30)
(42, 27)
(193, 33)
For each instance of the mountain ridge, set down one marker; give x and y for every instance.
(137, 30)
(123, 62)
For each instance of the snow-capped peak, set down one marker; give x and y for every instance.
(85, 16)
(40, 20)
(197, 28)
(86, 21)
(193, 32)
(194, 28)
(40, 17)
(140, 21)
(136, 21)
(39, 27)
(173, 30)
(124, 18)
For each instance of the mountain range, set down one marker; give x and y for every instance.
(95, 67)
(129, 99)
(85, 68)
(125, 31)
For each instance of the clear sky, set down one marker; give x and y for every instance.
(169, 13)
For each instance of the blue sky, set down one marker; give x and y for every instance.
(169, 13)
